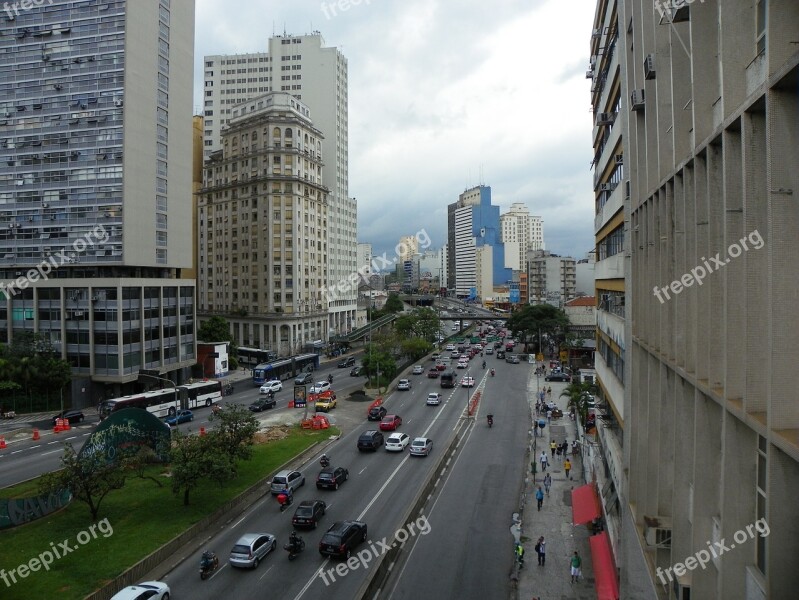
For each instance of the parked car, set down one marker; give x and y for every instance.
(356, 371)
(331, 477)
(149, 590)
(558, 377)
(376, 413)
(370, 440)
(319, 387)
(251, 549)
(182, 416)
(397, 442)
(421, 446)
(404, 385)
(303, 378)
(347, 362)
(433, 399)
(433, 373)
(417, 370)
(287, 479)
(342, 538)
(263, 404)
(271, 386)
(73, 416)
(308, 514)
(390, 422)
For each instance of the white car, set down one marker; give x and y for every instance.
(149, 590)
(462, 364)
(397, 442)
(421, 446)
(433, 399)
(450, 347)
(467, 382)
(417, 370)
(404, 385)
(271, 386)
(319, 387)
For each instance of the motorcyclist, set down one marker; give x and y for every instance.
(324, 461)
(484, 364)
(330, 378)
(490, 419)
(294, 541)
(492, 372)
(207, 560)
(285, 497)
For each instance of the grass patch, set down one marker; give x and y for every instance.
(141, 517)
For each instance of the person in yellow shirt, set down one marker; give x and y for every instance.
(567, 466)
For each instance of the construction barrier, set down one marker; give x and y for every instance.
(3, 445)
(291, 404)
(306, 423)
(36, 436)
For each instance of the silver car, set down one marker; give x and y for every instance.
(421, 446)
(287, 479)
(251, 548)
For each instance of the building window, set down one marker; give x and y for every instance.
(760, 25)
(762, 467)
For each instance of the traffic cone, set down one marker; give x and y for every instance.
(36, 435)
(56, 427)
(202, 430)
(2, 443)
(291, 404)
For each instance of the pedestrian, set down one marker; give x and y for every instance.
(576, 562)
(544, 461)
(520, 555)
(549, 419)
(547, 482)
(549, 391)
(541, 549)
(567, 466)
(552, 446)
(539, 495)
(575, 450)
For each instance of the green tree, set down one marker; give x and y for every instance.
(375, 360)
(197, 457)
(394, 304)
(421, 322)
(532, 319)
(416, 348)
(89, 478)
(578, 395)
(217, 329)
(235, 433)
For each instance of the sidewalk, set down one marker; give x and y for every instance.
(554, 520)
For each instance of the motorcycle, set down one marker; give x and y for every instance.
(208, 564)
(294, 547)
(484, 364)
(492, 372)
(285, 500)
(330, 379)
(324, 461)
(490, 420)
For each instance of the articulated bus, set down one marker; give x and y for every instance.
(201, 393)
(161, 403)
(254, 356)
(285, 368)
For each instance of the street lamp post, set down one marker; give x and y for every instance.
(174, 385)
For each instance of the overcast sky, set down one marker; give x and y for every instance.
(444, 95)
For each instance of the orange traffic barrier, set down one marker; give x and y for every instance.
(202, 430)
(36, 435)
(3, 443)
(307, 423)
(291, 404)
(65, 425)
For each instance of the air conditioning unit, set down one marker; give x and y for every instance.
(637, 100)
(45, 205)
(119, 102)
(596, 33)
(589, 74)
(58, 86)
(657, 531)
(620, 159)
(607, 187)
(649, 66)
(606, 118)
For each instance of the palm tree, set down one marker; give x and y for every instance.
(579, 394)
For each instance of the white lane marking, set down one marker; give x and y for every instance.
(51, 452)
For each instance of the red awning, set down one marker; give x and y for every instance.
(607, 587)
(585, 504)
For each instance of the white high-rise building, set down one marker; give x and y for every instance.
(317, 75)
(364, 259)
(521, 232)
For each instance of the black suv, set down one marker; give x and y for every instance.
(370, 440)
(263, 404)
(347, 362)
(376, 413)
(341, 538)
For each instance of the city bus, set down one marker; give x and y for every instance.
(161, 403)
(254, 356)
(285, 368)
(201, 393)
(449, 379)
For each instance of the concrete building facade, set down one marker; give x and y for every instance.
(304, 67)
(520, 233)
(95, 187)
(263, 227)
(550, 278)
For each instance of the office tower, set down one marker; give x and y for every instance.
(520, 232)
(317, 76)
(95, 183)
(264, 226)
(550, 278)
(364, 261)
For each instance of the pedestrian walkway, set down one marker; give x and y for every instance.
(554, 520)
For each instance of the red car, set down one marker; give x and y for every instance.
(390, 422)
(441, 366)
(433, 373)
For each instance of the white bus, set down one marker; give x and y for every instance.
(161, 403)
(201, 393)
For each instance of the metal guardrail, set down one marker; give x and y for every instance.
(361, 332)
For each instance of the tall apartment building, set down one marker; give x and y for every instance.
(408, 248)
(317, 76)
(95, 187)
(711, 423)
(263, 226)
(364, 260)
(473, 223)
(520, 232)
(433, 268)
(550, 278)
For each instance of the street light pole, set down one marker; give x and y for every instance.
(174, 385)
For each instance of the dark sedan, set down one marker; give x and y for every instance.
(558, 377)
(263, 404)
(332, 477)
(308, 513)
(376, 413)
(73, 416)
(356, 371)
